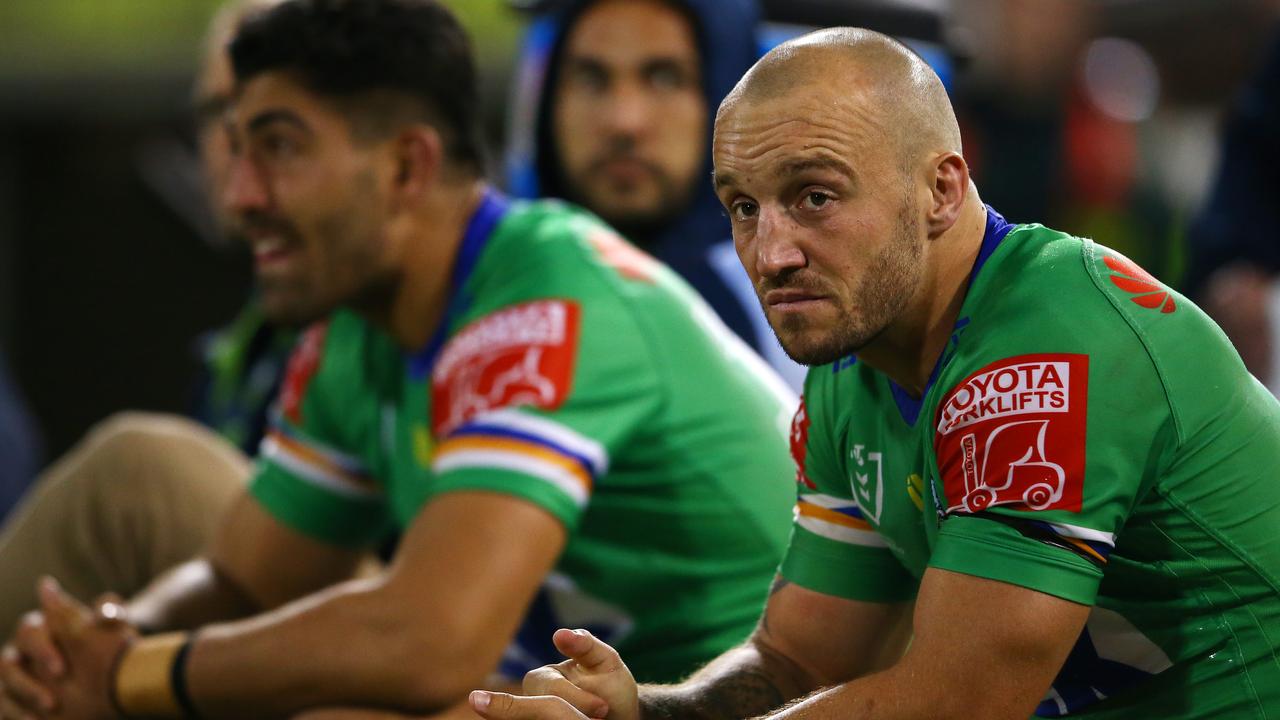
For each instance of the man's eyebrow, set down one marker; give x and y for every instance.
(721, 180)
(795, 167)
(267, 117)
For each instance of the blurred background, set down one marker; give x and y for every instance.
(1103, 118)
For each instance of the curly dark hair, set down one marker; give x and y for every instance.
(381, 62)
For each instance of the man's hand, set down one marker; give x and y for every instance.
(92, 643)
(30, 664)
(592, 683)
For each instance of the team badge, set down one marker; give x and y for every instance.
(1013, 434)
(521, 355)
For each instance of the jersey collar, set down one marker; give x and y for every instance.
(996, 230)
(493, 206)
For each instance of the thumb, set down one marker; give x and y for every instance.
(591, 653)
(501, 706)
(63, 613)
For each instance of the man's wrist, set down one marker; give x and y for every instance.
(150, 678)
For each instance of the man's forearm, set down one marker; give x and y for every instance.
(192, 594)
(746, 682)
(348, 645)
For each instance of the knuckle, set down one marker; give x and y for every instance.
(539, 678)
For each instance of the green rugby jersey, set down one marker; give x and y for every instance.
(1089, 434)
(576, 373)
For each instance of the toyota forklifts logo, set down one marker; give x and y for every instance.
(1013, 434)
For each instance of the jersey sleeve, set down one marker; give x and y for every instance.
(1041, 454)
(833, 549)
(310, 474)
(543, 385)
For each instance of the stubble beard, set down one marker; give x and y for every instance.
(886, 288)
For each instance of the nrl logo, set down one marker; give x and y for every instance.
(870, 495)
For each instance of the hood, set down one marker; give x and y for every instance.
(728, 44)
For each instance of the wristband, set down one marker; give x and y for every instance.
(178, 679)
(144, 679)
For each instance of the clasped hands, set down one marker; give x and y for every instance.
(60, 661)
(592, 683)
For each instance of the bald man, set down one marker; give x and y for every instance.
(1014, 445)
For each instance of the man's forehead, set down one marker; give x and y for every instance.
(626, 30)
(278, 94)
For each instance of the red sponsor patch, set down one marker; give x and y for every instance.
(800, 444)
(628, 260)
(1013, 434)
(303, 364)
(1142, 285)
(521, 355)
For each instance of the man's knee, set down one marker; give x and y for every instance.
(136, 455)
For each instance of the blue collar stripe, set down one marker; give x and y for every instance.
(493, 206)
(997, 229)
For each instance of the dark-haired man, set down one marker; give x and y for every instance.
(1016, 447)
(562, 430)
(614, 113)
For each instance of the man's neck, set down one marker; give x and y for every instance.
(435, 235)
(908, 350)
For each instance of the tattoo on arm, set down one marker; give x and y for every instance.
(743, 692)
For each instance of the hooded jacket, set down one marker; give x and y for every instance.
(696, 244)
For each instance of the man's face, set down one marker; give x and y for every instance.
(307, 199)
(629, 112)
(824, 218)
(212, 97)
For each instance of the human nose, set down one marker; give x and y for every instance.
(776, 250)
(630, 109)
(246, 189)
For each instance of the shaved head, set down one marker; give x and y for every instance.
(907, 99)
(838, 159)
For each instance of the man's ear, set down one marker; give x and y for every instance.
(419, 157)
(947, 194)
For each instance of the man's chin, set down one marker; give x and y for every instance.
(810, 350)
(288, 311)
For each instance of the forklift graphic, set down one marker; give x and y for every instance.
(522, 383)
(1013, 470)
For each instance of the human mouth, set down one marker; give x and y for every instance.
(792, 300)
(625, 170)
(270, 250)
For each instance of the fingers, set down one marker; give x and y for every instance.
(589, 652)
(110, 610)
(62, 612)
(21, 689)
(549, 680)
(9, 710)
(34, 642)
(501, 706)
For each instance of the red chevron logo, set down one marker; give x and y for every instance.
(1146, 290)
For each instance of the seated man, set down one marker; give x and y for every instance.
(561, 429)
(614, 113)
(141, 492)
(1017, 444)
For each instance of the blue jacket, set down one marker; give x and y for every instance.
(19, 444)
(698, 244)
